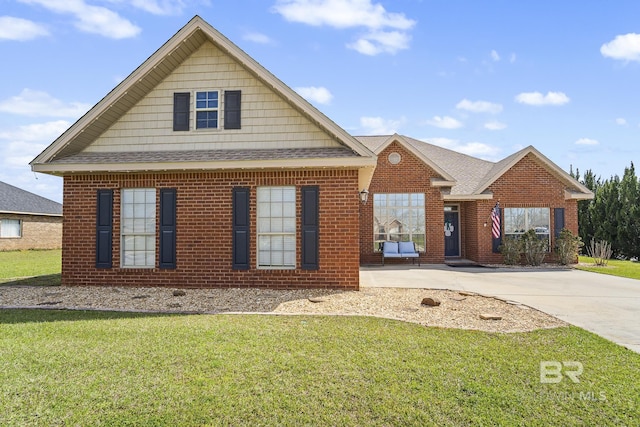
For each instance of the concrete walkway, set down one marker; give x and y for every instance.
(606, 305)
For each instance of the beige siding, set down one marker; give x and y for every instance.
(267, 120)
(38, 232)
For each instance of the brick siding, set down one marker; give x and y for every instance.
(411, 175)
(38, 232)
(204, 230)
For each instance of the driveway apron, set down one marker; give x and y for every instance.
(606, 305)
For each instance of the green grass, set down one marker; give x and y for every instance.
(36, 268)
(614, 267)
(117, 369)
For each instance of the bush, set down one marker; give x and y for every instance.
(567, 247)
(510, 250)
(534, 248)
(600, 251)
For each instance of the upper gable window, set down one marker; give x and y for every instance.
(207, 104)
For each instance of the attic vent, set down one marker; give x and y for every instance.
(394, 158)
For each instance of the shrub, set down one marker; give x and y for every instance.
(600, 251)
(567, 247)
(534, 248)
(510, 250)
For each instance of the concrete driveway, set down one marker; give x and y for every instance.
(606, 305)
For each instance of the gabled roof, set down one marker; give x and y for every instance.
(17, 201)
(153, 71)
(468, 176)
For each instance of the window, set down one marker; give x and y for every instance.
(276, 227)
(138, 227)
(207, 110)
(399, 218)
(10, 228)
(519, 220)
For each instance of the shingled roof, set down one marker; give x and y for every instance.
(469, 176)
(17, 201)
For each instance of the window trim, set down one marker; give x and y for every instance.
(153, 234)
(293, 234)
(197, 110)
(20, 222)
(410, 207)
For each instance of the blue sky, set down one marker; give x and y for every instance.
(484, 78)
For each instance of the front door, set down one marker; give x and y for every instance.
(451, 234)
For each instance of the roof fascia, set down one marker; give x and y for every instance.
(30, 213)
(116, 167)
(564, 176)
(466, 197)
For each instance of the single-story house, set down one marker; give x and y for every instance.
(202, 169)
(28, 221)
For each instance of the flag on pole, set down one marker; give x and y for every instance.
(496, 230)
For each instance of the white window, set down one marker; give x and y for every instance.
(276, 227)
(207, 104)
(399, 218)
(10, 228)
(518, 221)
(138, 227)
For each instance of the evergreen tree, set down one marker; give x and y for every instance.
(628, 218)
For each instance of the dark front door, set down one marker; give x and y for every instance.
(451, 234)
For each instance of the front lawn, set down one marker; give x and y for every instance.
(31, 267)
(93, 368)
(614, 267)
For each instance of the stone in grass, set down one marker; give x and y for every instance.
(490, 316)
(431, 301)
(179, 293)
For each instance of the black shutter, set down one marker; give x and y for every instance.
(232, 109)
(104, 227)
(558, 221)
(181, 106)
(240, 228)
(167, 228)
(310, 217)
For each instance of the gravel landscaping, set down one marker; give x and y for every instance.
(456, 310)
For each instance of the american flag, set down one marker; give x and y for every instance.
(495, 221)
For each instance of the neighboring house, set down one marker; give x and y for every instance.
(445, 200)
(28, 221)
(202, 169)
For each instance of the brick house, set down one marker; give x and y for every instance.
(28, 221)
(443, 200)
(202, 169)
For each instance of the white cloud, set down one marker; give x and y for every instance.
(321, 95)
(19, 29)
(479, 106)
(537, 98)
(624, 47)
(162, 7)
(495, 125)
(445, 122)
(512, 58)
(587, 141)
(36, 132)
(495, 56)
(257, 38)
(376, 42)
(387, 30)
(476, 149)
(91, 19)
(380, 126)
(40, 104)
(621, 121)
